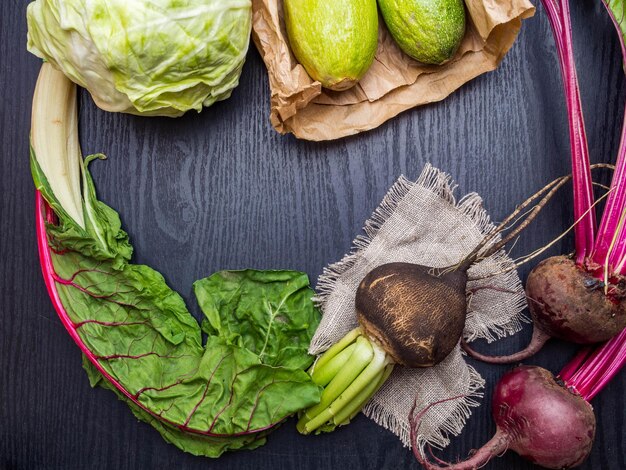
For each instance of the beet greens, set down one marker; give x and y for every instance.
(136, 334)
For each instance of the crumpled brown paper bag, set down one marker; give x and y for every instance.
(394, 83)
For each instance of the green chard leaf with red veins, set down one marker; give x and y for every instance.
(207, 399)
(196, 444)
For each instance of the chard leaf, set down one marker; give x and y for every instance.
(207, 446)
(102, 238)
(268, 312)
(142, 342)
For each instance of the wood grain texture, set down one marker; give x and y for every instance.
(223, 190)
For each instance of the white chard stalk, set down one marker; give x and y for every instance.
(54, 138)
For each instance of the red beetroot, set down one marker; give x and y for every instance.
(536, 417)
(581, 299)
(566, 301)
(545, 420)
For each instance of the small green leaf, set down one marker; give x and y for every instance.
(268, 312)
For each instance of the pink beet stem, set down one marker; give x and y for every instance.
(574, 364)
(590, 370)
(615, 205)
(584, 231)
(606, 251)
(600, 367)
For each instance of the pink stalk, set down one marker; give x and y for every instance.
(572, 366)
(584, 231)
(598, 369)
(610, 247)
(43, 213)
(591, 369)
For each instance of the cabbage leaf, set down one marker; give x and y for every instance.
(149, 57)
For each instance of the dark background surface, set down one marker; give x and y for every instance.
(223, 190)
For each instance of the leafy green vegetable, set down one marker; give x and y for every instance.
(268, 312)
(195, 444)
(150, 57)
(141, 338)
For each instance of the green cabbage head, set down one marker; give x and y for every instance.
(148, 57)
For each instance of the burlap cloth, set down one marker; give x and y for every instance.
(422, 223)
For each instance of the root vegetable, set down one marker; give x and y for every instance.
(545, 420)
(408, 314)
(399, 305)
(580, 299)
(536, 417)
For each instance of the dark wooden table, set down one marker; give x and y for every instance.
(223, 190)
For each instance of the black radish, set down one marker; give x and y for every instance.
(417, 314)
(408, 314)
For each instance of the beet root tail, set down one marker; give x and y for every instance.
(496, 446)
(539, 338)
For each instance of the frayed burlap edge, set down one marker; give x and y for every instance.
(470, 206)
(450, 427)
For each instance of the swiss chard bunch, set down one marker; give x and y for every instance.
(136, 334)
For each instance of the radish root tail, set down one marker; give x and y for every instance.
(484, 250)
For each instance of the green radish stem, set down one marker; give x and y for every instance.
(323, 375)
(358, 361)
(337, 348)
(350, 397)
(354, 407)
